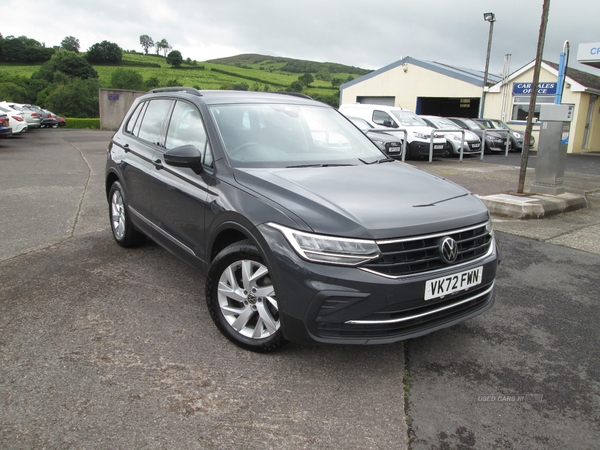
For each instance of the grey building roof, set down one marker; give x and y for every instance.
(474, 77)
(588, 80)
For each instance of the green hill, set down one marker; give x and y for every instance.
(248, 71)
(263, 62)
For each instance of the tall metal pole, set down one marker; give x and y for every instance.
(491, 18)
(532, 101)
(562, 72)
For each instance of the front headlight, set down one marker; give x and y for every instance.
(517, 135)
(420, 135)
(489, 228)
(329, 249)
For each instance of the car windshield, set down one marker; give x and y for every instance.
(362, 124)
(472, 125)
(281, 135)
(498, 124)
(408, 118)
(443, 124)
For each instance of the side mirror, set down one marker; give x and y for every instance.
(389, 124)
(185, 156)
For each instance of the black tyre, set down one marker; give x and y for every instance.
(122, 229)
(241, 299)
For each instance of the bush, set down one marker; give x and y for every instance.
(13, 92)
(151, 83)
(174, 58)
(129, 63)
(24, 50)
(78, 98)
(127, 79)
(83, 123)
(69, 63)
(296, 86)
(105, 53)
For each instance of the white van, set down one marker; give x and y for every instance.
(390, 118)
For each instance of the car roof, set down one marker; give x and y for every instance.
(218, 97)
(368, 106)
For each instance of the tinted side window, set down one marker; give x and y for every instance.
(153, 120)
(187, 128)
(384, 119)
(134, 117)
(138, 123)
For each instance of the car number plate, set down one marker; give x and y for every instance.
(440, 287)
(475, 145)
(438, 147)
(394, 149)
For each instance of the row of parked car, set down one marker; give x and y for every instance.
(17, 118)
(387, 126)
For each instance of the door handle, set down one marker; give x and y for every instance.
(126, 148)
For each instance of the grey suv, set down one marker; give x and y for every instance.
(304, 229)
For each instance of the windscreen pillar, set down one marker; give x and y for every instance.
(552, 149)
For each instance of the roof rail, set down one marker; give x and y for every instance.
(189, 90)
(294, 94)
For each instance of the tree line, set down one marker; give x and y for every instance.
(66, 82)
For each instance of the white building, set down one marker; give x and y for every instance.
(432, 88)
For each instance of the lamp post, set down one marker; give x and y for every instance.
(491, 18)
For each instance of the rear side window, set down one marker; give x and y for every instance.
(153, 120)
(134, 117)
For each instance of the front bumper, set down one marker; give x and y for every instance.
(494, 145)
(469, 147)
(418, 148)
(347, 305)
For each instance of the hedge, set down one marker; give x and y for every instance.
(83, 123)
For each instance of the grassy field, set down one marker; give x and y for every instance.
(205, 75)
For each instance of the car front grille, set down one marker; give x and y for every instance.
(409, 256)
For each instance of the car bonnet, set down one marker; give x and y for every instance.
(377, 201)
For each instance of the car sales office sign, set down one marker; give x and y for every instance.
(543, 88)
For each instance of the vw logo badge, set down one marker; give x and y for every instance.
(449, 250)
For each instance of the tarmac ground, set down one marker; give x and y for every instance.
(102, 347)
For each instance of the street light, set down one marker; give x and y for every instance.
(491, 18)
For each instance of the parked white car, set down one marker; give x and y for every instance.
(392, 119)
(16, 119)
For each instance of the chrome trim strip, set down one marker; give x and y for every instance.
(162, 232)
(450, 267)
(429, 236)
(403, 319)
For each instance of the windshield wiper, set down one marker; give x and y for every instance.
(317, 165)
(377, 161)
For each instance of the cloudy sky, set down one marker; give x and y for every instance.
(363, 33)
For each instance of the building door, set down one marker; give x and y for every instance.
(447, 106)
(387, 101)
(588, 122)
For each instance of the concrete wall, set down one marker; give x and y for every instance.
(408, 82)
(114, 104)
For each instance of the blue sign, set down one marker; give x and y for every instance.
(113, 96)
(543, 88)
